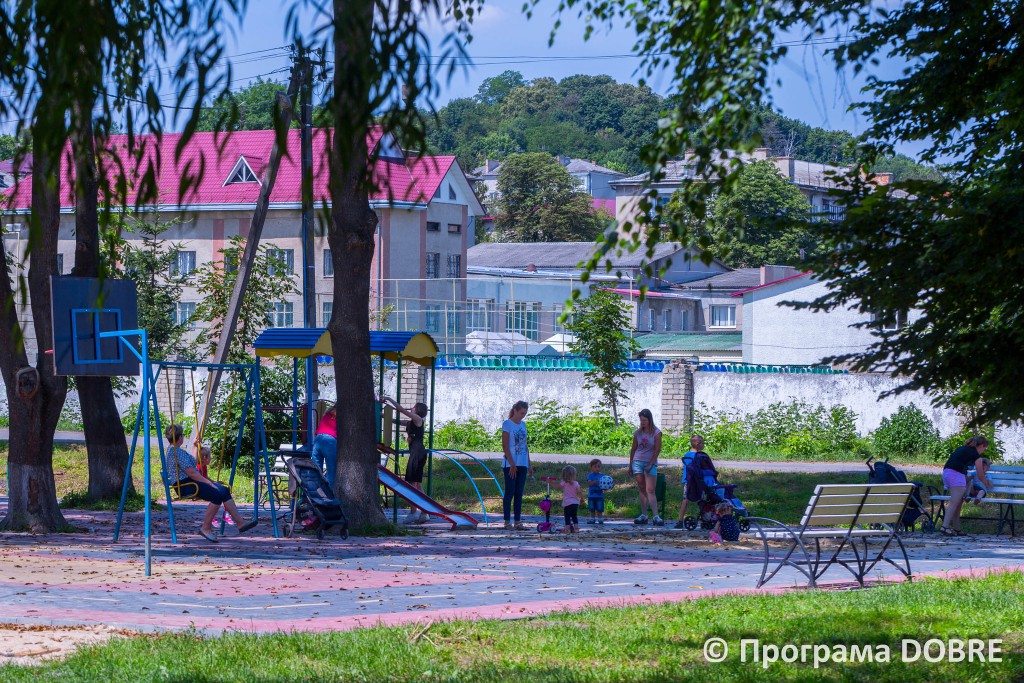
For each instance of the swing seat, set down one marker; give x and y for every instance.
(187, 491)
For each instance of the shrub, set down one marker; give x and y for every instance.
(940, 449)
(905, 433)
(466, 436)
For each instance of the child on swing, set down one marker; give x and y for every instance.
(186, 471)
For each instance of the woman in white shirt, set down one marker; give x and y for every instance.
(516, 465)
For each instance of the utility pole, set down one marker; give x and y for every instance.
(304, 65)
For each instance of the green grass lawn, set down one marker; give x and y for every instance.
(659, 643)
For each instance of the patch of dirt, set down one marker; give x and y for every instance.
(28, 644)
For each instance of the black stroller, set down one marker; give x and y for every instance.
(314, 506)
(703, 488)
(881, 472)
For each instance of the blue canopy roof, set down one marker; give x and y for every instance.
(417, 347)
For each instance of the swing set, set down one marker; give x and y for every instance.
(178, 487)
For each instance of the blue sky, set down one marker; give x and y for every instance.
(503, 39)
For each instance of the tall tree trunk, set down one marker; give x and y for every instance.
(104, 436)
(35, 402)
(350, 234)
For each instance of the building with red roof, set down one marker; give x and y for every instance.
(425, 205)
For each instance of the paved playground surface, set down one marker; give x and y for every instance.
(261, 584)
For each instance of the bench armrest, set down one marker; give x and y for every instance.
(758, 524)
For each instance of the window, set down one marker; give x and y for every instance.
(328, 263)
(231, 262)
(60, 264)
(184, 264)
(285, 256)
(723, 316)
(241, 173)
(281, 314)
(433, 226)
(454, 228)
(479, 315)
(889, 322)
(184, 313)
(451, 193)
(454, 320)
(523, 317)
(668, 320)
(437, 192)
(454, 265)
(653, 326)
(684, 320)
(328, 307)
(433, 318)
(433, 264)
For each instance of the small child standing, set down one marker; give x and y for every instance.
(595, 494)
(727, 528)
(571, 494)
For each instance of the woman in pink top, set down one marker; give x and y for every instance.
(325, 444)
(643, 463)
(571, 496)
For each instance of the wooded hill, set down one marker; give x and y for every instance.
(595, 118)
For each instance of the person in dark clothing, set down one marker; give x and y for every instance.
(414, 431)
(954, 478)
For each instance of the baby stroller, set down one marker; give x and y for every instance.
(703, 488)
(884, 473)
(314, 505)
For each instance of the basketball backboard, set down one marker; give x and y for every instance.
(82, 309)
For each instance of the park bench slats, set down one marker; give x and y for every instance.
(861, 518)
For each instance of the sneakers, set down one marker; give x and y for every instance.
(508, 526)
(601, 521)
(411, 518)
(591, 521)
(679, 525)
(642, 519)
(658, 521)
(423, 518)
(519, 526)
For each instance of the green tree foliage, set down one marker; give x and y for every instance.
(271, 282)
(906, 433)
(600, 324)
(589, 117)
(951, 238)
(250, 108)
(539, 201)
(148, 261)
(8, 146)
(764, 221)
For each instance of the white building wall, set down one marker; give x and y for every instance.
(780, 335)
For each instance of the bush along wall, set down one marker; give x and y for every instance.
(793, 430)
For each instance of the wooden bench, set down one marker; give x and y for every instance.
(1007, 492)
(861, 519)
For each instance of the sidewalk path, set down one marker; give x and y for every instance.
(262, 584)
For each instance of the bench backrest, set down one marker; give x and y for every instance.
(863, 504)
(1005, 479)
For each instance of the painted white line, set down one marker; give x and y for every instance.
(100, 599)
(690, 580)
(501, 571)
(440, 595)
(376, 600)
(558, 588)
(494, 592)
(609, 585)
(408, 566)
(301, 604)
(180, 604)
(571, 573)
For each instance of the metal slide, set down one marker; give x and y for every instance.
(459, 520)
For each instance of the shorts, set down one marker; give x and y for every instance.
(640, 467)
(978, 487)
(414, 468)
(952, 478)
(595, 504)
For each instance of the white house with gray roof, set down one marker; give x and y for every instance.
(523, 287)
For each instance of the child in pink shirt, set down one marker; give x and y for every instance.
(571, 496)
